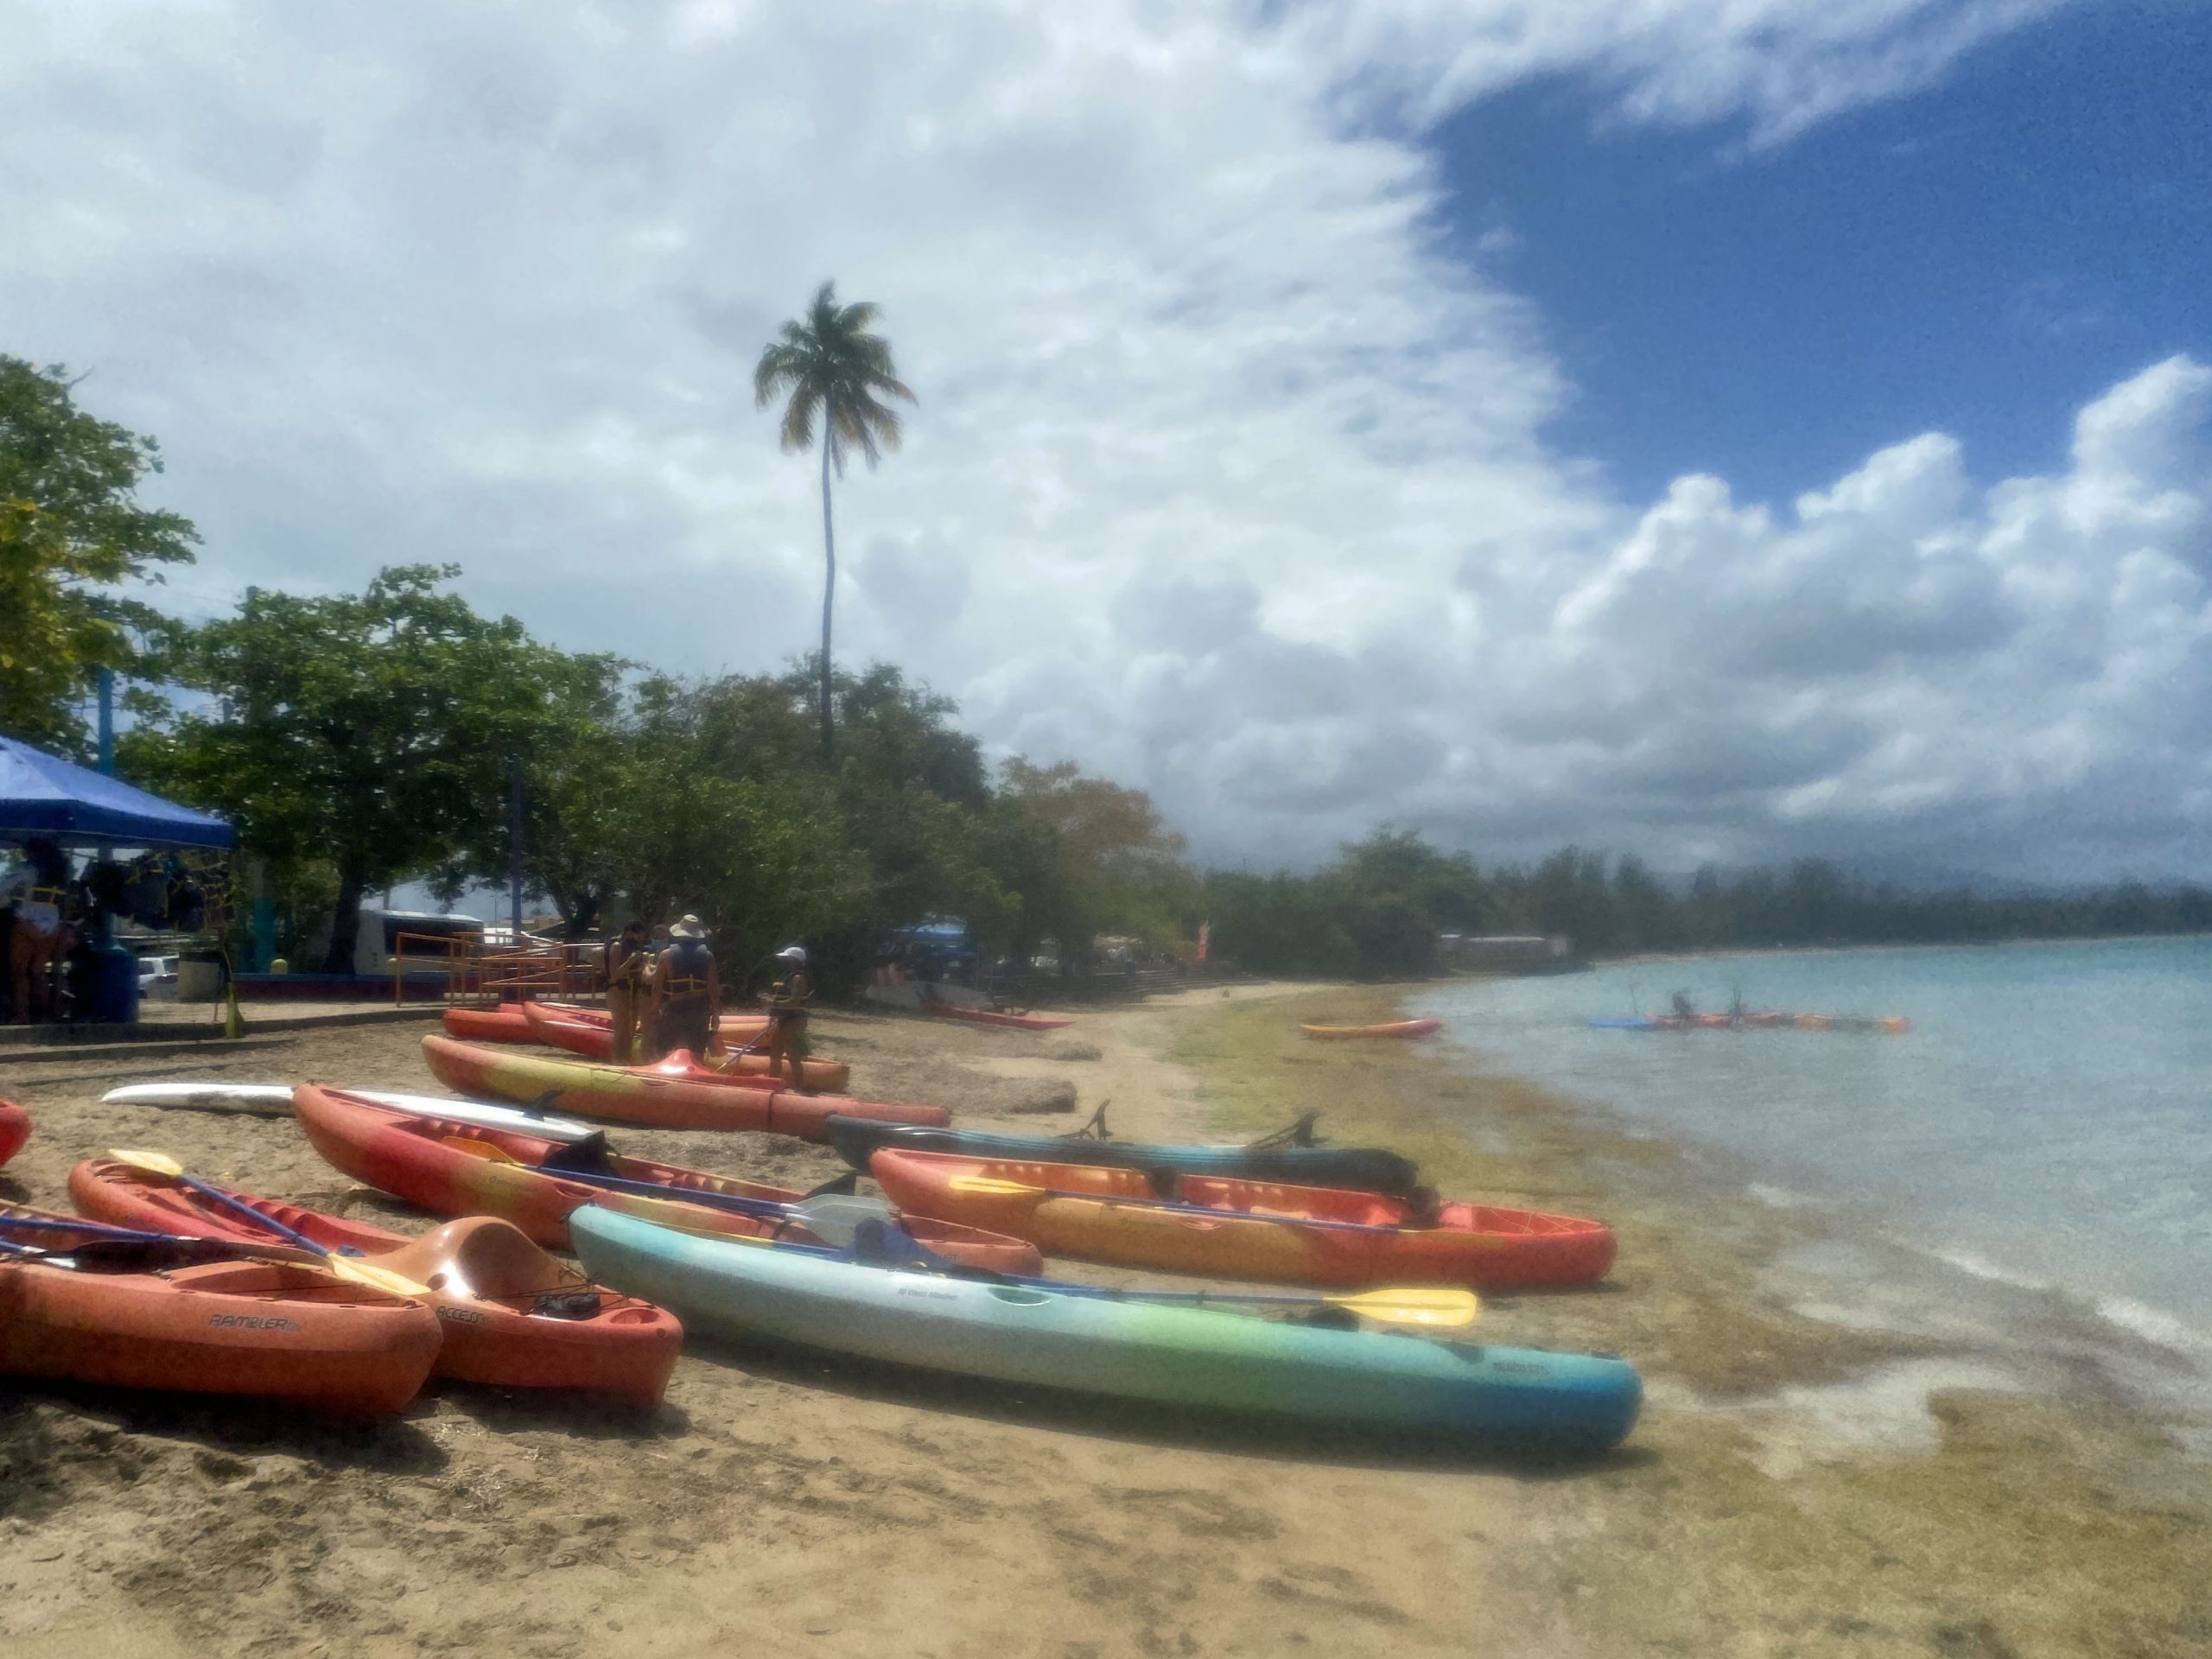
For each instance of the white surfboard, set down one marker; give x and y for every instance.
(274, 1100)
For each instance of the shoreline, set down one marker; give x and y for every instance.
(1792, 1429)
(1705, 953)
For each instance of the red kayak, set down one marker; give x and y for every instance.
(187, 1315)
(504, 1024)
(15, 1130)
(677, 1094)
(459, 1169)
(596, 1042)
(1394, 1028)
(1230, 1229)
(512, 1315)
(993, 1017)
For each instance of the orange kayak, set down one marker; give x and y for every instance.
(994, 1017)
(1247, 1230)
(15, 1130)
(677, 1094)
(181, 1314)
(512, 1316)
(596, 1042)
(504, 1024)
(1394, 1028)
(461, 1169)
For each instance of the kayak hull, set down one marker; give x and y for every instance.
(504, 1024)
(283, 1330)
(15, 1130)
(495, 1292)
(1363, 1169)
(447, 1169)
(665, 1098)
(596, 1042)
(1229, 1228)
(993, 1017)
(1394, 1028)
(1188, 1357)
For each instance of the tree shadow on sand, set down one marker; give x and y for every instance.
(1173, 1428)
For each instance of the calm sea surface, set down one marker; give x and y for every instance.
(2048, 1121)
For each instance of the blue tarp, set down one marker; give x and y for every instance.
(43, 795)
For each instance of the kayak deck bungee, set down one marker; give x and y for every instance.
(1233, 1228)
(187, 1315)
(1195, 1357)
(15, 1130)
(1394, 1028)
(1365, 1169)
(513, 1316)
(454, 1169)
(596, 1042)
(663, 1099)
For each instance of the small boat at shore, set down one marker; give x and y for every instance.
(1265, 1231)
(976, 1016)
(669, 1095)
(512, 1316)
(1363, 1169)
(83, 1302)
(455, 1168)
(1399, 1028)
(1034, 1333)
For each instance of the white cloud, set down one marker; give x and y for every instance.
(1224, 480)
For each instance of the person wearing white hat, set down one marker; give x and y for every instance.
(785, 1038)
(687, 991)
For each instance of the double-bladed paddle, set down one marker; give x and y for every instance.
(344, 1266)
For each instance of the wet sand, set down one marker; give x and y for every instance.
(1798, 1485)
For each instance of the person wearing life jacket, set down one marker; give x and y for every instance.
(627, 987)
(785, 1041)
(687, 997)
(37, 889)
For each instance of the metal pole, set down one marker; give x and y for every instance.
(107, 721)
(514, 845)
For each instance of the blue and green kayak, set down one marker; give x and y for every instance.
(1357, 1169)
(1028, 1334)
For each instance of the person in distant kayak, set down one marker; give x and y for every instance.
(1684, 1008)
(687, 998)
(785, 1041)
(628, 987)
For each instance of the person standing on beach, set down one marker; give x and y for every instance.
(786, 1037)
(687, 996)
(37, 887)
(626, 987)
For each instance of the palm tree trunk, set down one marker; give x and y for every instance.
(829, 583)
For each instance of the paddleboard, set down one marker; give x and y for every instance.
(274, 1100)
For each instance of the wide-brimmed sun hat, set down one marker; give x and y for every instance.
(688, 927)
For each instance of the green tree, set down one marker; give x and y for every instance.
(832, 367)
(70, 526)
(371, 730)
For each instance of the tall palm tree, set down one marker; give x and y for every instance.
(836, 367)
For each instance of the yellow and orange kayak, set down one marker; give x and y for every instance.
(1395, 1028)
(1230, 1228)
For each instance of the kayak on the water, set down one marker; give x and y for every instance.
(451, 1168)
(1760, 1019)
(1231, 1228)
(1118, 1345)
(513, 1316)
(1365, 1169)
(669, 1095)
(203, 1316)
(1394, 1028)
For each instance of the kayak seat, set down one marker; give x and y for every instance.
(482, 1256)
(590, 1156)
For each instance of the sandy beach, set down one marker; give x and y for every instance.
(1800, 1485)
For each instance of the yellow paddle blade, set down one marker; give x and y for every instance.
(154, 1163)
(476, 1148)
(1437, 1306)
(991, 1183)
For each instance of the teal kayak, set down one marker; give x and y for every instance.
(1128, 1349)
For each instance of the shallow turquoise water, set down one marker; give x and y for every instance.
(2048, 1120)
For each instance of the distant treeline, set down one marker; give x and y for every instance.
(1378, 910)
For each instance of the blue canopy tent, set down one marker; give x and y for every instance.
(42, 794)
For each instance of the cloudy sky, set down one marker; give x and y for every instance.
(1721, 429)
